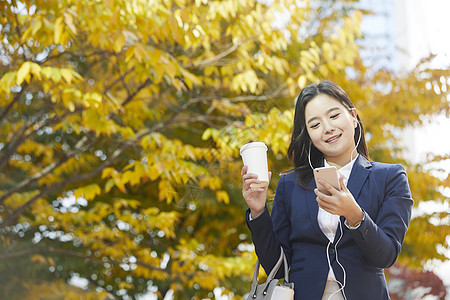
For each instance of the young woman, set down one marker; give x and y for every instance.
(337, 242)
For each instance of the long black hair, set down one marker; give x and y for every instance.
(301, 145)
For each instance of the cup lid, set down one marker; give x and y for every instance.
(251, 145)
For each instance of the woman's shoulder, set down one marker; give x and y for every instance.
(289, 176)
(387, 170)
(287, 179)
(386, 166)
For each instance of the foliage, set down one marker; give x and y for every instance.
(120, 128)
(405, 281)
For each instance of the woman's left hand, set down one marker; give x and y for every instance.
(340, 202)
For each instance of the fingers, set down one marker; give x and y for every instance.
(323, 205)
(323, 197)
(250, 178)
(245, 176)
(327, 186)
(248, 185)
(244, 170)
(343, 186)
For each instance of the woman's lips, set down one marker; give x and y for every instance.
(333, 139)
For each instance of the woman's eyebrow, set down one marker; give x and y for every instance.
(328, 111)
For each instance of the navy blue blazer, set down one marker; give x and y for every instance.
(383, 193)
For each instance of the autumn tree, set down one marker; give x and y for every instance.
(120, 128)
(412, 283)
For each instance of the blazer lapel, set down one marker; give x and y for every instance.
(360, 171)
(358, 176)
(313, 209)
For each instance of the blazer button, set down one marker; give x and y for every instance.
(366, 231)
(331, 251)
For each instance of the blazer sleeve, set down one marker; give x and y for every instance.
(270, 232)
(380, 240)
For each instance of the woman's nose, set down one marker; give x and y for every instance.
(328, 127)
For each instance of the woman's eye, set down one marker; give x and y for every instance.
(335, 116)
(315, 126)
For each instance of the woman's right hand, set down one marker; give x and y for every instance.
(255, 197)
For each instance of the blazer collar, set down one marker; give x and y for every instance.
(360, 171)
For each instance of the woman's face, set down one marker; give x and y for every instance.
(331, 127)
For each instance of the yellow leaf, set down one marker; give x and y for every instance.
(109, 185)
(206, 134)
(69, 22)
(153, 173)
(36, 70)
(67, 75)
(56, 75)
(166, 191)
(108, 172)
(118, 43)
(59, 27)
(88, 192)
(36, 24)
(51, 261)
(7, 81)
(171, 69)
(190, 78)
(47, 71)
(301, 81)
(222, 196)
(75, 74)
(39, 258)
(23, 73)
(129, 54)
(120, 184)
(71, 106)
(130, 177)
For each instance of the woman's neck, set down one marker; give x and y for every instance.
(335, 165)
(339, 163)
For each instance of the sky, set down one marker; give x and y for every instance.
(428, 26)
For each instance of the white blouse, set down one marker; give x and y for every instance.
(328, 222)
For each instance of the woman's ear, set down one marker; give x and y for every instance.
(354, 114)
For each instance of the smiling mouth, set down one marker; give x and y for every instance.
(333, 138)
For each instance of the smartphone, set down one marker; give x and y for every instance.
(328, 174)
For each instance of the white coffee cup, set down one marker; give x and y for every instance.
(254, 155)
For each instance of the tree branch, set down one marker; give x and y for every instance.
(216, 58)
(14, 143)
(89, 174)
(130, 97)
(208, 120)
(65, 252)
(19, 138)
(78, 148)
(120, 78)
(100, 52)
(280, 91)
(13, 101)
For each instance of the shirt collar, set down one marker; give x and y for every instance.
(345, 170)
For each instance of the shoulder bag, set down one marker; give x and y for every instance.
(272, 289)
